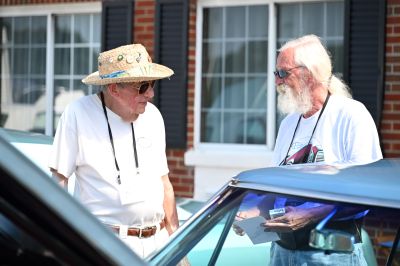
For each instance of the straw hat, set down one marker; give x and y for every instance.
(128, 63)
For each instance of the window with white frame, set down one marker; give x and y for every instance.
(235, 51)
(74, 40)
(234, 74)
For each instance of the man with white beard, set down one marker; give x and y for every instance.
(321, 116)
(323, 124)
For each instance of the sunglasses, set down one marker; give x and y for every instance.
(282, 73)
(144, 86)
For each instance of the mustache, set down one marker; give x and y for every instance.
(281, 88)
(291, 102)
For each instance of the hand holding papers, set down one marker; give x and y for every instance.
(255, 231)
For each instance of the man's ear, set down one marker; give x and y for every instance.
(112, 89)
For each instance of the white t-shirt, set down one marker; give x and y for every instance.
(82, 145)
(346, 133)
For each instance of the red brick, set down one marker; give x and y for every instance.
(385, 126)
(392, 77)
(393, 58)
(142, 3)
(392, 97)
(393, 20)
(145, 20)
(392, 155)
(391, 136)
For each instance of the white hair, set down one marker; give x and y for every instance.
(310, 53)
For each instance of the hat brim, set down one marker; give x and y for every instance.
(146, 72)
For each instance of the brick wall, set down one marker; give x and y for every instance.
(143, 31)
(390, 125)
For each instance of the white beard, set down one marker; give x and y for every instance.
(289, 102)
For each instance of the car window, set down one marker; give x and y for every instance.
(216, 238)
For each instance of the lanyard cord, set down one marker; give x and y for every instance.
(112, 141)
(312, 134)
(134, 149)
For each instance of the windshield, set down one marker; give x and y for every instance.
(245, 227)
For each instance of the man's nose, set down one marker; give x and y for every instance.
(149, 93)
(278, 80)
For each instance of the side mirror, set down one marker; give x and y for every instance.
(331, 240)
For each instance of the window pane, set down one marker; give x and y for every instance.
(27, 90)
(21, 30)
(234, 93)
(81, 28)
(96, 27)
(63, 29)
(288, 20)
(211, 96)
(258, 57)
(62, 60)
(95, 52)
(235, 22)
(81, 61)
(38, 61)
(233, 127)
(256, 126)
(39, 27)
(313, 21)
(258, 21)
(335, 14)
(211, 126)
(38, 90)
(235, 57)
(212, 27)
(257, 93)
(20, 62)
(212, 57)
(336, 49)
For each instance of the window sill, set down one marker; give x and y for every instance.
(229, 158)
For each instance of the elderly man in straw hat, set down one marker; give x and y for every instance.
(114, 142)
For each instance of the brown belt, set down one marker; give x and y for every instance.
(140, 232)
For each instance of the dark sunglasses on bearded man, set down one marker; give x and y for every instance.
(282, 73)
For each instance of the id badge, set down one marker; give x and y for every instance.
(131, 192)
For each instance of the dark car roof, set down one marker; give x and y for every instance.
(376, 184)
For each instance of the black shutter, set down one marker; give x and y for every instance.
(117, 23)
(365, 52)
(171, 50)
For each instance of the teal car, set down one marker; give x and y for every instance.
(369, 195)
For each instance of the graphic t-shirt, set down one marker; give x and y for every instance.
(346, 133)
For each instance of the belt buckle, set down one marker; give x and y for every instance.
(140, 235)
(141, 231)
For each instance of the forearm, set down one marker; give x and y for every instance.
(171, 215)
